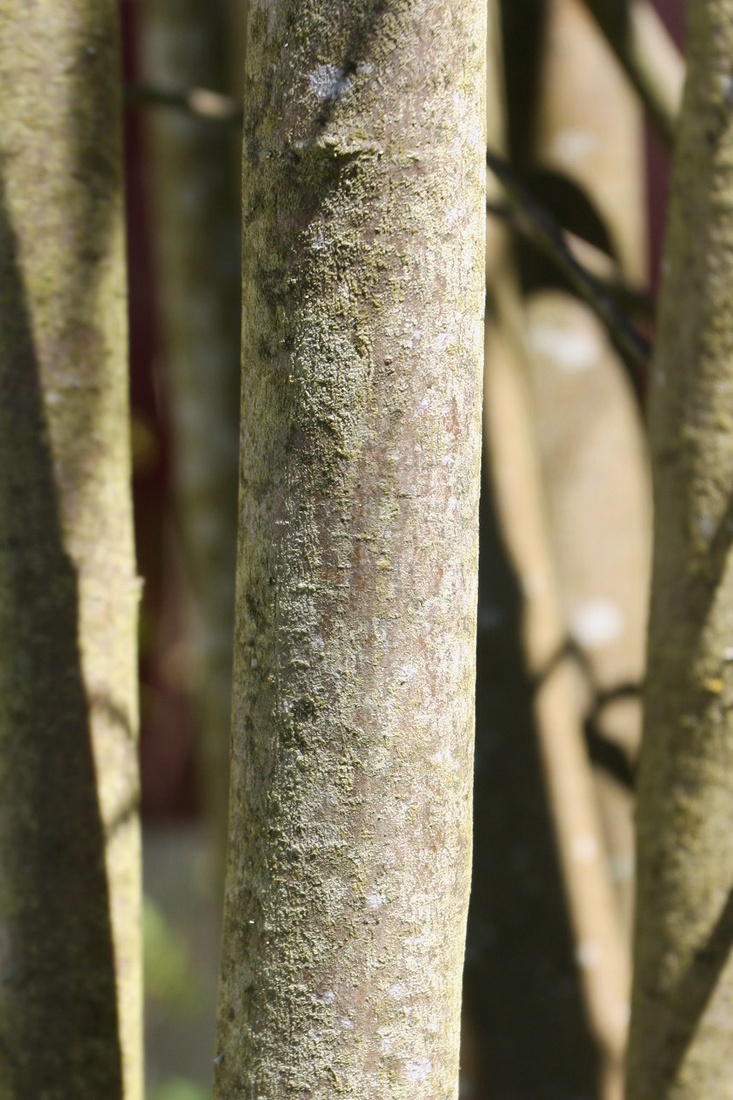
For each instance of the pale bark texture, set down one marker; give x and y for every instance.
(197, 249)
(70, 989)
(350, 829)
(682, 1009)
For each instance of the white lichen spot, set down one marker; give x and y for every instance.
(445, 340)
(584, 849)
(726, 88)
(320, 241)
(397, 991)
(424, 405)
(417, 334)
(253, 663)
(588, 955)
(318, 643)
(448, 460)
(574, 144)
(452, 505)
(364, 68)
(329, 82)
(418, 1070)
(415, 941)
(446, 759)
(596, 623)
(375, 900)
(346, 1025)
(706, 526)
(570, 350)
(406, 674)
(386, 1046)
(328, 997)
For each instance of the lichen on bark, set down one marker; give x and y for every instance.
(70, 983)
(682, 1005)
(356, 592)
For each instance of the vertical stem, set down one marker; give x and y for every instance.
(70, 982)
(682, 1010)
(350, 810)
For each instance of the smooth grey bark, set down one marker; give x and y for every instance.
(70, 968)
(682, 1006)
(350, 830)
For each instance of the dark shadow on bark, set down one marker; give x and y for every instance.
(521, 980)
(58, 1015)
(690, 998)
(603, 751)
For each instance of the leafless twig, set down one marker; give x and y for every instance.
(652, 61)
(548, 234)
(200, 102)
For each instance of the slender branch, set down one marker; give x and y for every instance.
(548, 234)
(199, 102)
(644, 48)
(598, 264)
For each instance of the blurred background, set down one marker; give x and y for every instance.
(581, 100)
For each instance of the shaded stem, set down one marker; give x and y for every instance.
(200, 102)
(649, 57)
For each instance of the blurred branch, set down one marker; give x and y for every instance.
(548, 235)
(597, 263)
(200, 102)
(644, 48)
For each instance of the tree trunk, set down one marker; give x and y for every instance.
(350, 829)
(70, 983)
(682, 1012)
(196, 226)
